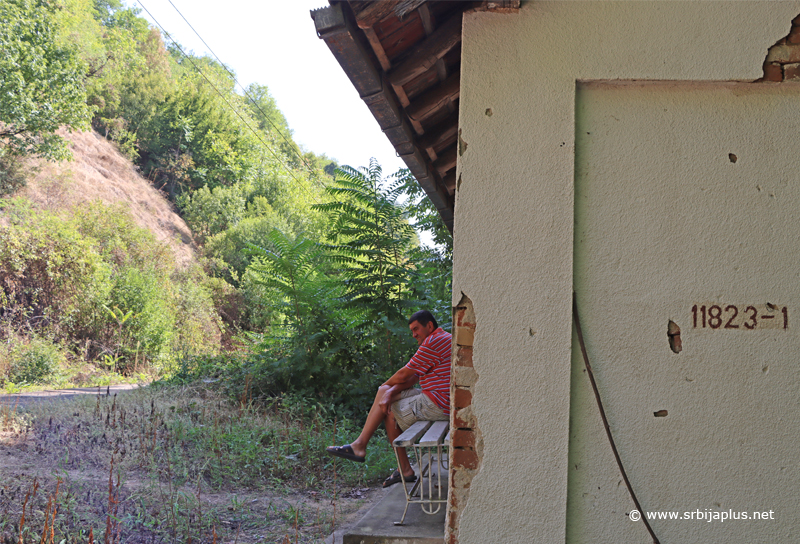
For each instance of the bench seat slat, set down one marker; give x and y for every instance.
(447, 438)
(411, 434)
(434, 435)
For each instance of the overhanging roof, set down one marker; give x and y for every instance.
(404, 59)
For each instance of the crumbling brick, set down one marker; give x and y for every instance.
(463, 438)
(462, 398)
(773, 71)
(464, 419)
(784, 54)
(464, 459)
(464, 375)
(791, 72)
(464, 356)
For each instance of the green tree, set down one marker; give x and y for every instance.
(370, 238)
(313, 345)
(41, 82)
(432, 281)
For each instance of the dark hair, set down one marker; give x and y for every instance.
(423, 317)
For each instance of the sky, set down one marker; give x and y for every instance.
(274, 43)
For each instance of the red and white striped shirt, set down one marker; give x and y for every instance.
(431, 363)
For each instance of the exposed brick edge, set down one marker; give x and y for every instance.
(466, 441)
(783, 58)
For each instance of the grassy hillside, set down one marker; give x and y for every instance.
(99, 172)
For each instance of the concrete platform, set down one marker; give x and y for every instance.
(377, 526)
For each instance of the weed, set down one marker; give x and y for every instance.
(176, 464)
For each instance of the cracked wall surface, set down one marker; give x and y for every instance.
(783, 59)
(466, 441)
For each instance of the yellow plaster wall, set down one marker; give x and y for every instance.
(514, 216)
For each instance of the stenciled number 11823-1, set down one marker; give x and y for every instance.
(732, 316)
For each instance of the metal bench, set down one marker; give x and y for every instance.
(429, 440)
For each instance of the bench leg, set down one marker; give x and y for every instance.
(405, 490)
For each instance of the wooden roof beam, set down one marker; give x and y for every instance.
(435, 99)
(368, 13)
(426, 53)
(426, 17)
(359, 60)
(450, 182)
(446, 161)
(441, 133)
(351, 54)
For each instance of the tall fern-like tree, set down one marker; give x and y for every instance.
(318, 352)
(289, 267)
(432, 282)
(370, 239)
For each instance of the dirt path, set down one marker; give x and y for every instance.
(23, 399)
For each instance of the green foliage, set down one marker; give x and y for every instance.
(196, 121)
(210, 211)
(13, 174)
(370, 241)
(266, 113)
(432, 282)
(335, 314)
(100, 282)
(311, 348)
(290, 268)
(147, 296)
(33, 361)
(40, 81)
(423, 214)
(127, 69)
(46, 269)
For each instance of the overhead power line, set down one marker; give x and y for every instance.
(234, 110)
(292, 145)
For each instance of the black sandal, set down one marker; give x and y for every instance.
(396, 478)
(345, 452)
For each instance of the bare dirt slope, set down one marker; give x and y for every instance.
(99, 171)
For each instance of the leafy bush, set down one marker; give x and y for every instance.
(34, 361)
(146, 296)
(13, 175)
(47, 268)
(335, 314)
(102, 284)
(198, 323)
(41, 81)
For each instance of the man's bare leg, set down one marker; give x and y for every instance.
(392, 432)
(374, 420)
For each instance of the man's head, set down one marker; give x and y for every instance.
(422, 324)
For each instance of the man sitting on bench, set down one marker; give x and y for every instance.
(398, 405)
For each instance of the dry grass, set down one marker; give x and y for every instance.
(164, 465)
(100, 172)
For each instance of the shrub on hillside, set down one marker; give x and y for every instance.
(48, 270)
(102, 284)
(198, 327)
(31, 362)
(148, 298)
(12, 173)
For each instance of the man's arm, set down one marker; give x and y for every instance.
(404, 376)
(403, 379)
